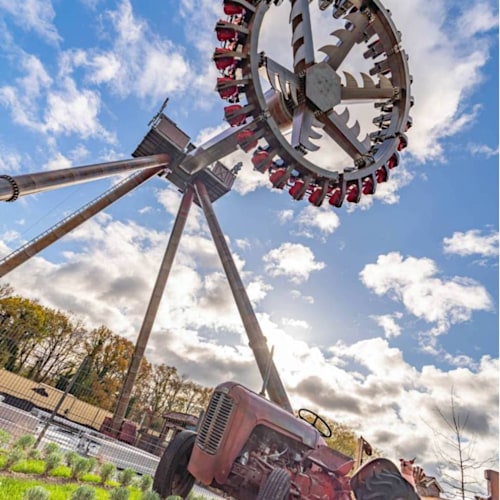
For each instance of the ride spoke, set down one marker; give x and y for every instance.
(302, 40)
(281, 79)
(347, 39)
(303, 119)
(335, 126)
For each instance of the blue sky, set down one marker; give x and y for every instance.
(389, 303)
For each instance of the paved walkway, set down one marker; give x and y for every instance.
(200, 491)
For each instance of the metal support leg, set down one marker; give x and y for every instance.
(154, 303)
(257, 341)
(63, 227)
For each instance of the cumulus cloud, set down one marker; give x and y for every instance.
(472, 242)
(313, 219)
(388, 323)
(292, 260)
(53, 106)
(415, 283)
(366, 385)
(135, 62)
(442, 110)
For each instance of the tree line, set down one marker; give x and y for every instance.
(48, 346)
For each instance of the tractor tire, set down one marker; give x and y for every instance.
(276, 486)
(386, 486)
(172, 476)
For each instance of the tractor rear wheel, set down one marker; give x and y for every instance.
(386, 486)
(172, 476)
(276, 486)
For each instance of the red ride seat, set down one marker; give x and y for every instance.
(226, 92)
(295, 190)
(367, 185)
(381, 175)
(223, 62)
(335, 196)
(277, 178)
(261, 160)
(225, 34)
(352, 192)
(315, 196)
(232, 9)
(246, 140)
(234, 119)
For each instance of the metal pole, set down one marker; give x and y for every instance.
(257, 341)
(13, 187)
(61, 401)
(154, 302)
(63, 227)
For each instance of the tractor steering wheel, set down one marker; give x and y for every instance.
(324, 429)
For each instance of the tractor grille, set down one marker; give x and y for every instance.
(214, 423)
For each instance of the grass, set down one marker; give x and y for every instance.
(13, 488)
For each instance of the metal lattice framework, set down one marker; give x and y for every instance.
(285, 116)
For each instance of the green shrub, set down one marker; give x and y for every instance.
(92, 463)
(70, 457)
(119, 494)
(84, 493)
(144, 483)
(25, 442)
(34, 454)
(79, 467)
(29, 466)
(36, 493)
(51, 448)
(5, 438)
(13, 457)
(106, 472)
(126, 476)
(150, 495)
(52, 461)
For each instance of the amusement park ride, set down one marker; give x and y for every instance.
(295, 121)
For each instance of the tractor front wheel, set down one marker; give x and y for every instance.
(172, 476)
(276, 486)
(385, 486)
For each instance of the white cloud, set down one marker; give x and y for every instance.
(10, 160)
(322, 219)
(295, 323)
(145, 210)
(482, 150)
(388, 323)
(297, 294)
(70, 110)
(66, 108)
(285, 216)
(472, 242)
(414, 283)
(34, 15)
(485, 19)
(292, 260)
(136, 62)
(59, 161)
(455, 62)
(366, 385)
(243, 244)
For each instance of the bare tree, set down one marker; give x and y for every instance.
(455, 450)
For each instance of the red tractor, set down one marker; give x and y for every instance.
(251, 449)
